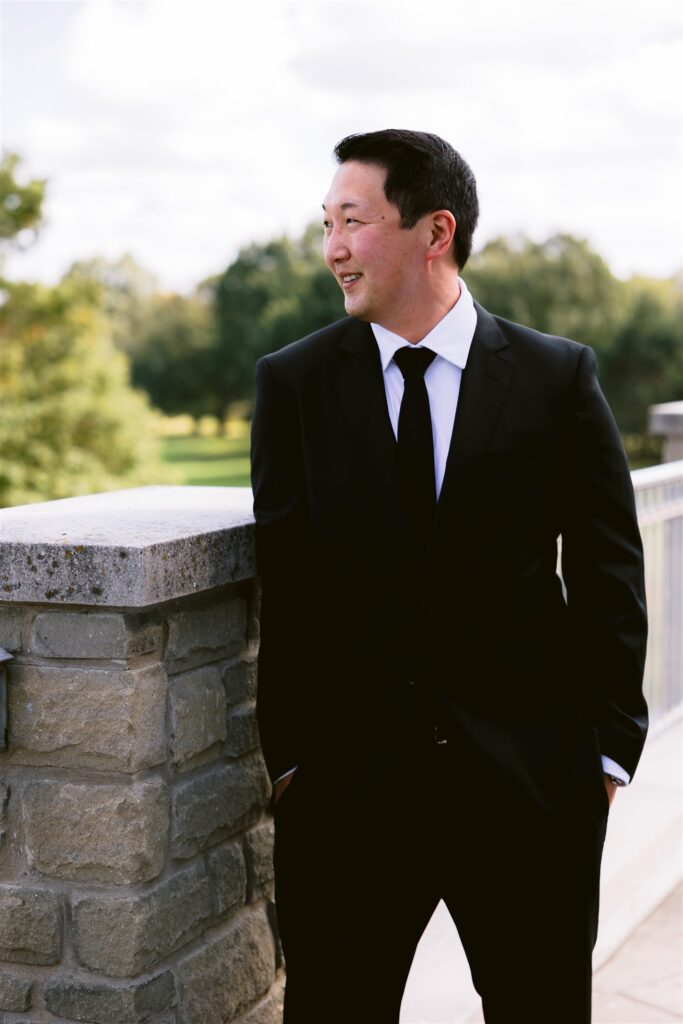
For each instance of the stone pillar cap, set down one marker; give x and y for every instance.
(666, 418)
(130, 548)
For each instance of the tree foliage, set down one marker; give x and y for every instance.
(559, 286)
(196, 354)
(562, 287)
(644, 365)
(174, 355)
(124, 290)
(272, 294)
(278, 291)
(69, 421)
(21, 205)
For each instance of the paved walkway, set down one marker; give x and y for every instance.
(641, 983)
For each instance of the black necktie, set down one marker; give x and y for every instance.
(415, 443)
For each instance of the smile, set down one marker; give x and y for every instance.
(348, 279)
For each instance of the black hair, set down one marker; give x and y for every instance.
(424, 174)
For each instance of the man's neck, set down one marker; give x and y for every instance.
(415, 328)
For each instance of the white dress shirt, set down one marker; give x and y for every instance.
(451, 339)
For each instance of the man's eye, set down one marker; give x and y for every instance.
(327, 224)
(352, 220)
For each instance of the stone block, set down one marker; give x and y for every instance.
(125, 936)
(15, 992)
(215, 805)
(254, 612)
(102, 833)
(239, 680)
(200, 635)
(258, 854)
(30, 925)
(243, 734)
(271, 911)
(229, 973)
(228, 875)
(69, 717)
(269, 1011)
(198, 710)
(10, 629)
(4, 804)
(93, 634)
(100, 1003)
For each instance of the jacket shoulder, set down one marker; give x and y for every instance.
(298, 355)
(530, 344)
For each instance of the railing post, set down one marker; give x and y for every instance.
(666, 420)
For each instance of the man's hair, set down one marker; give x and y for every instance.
(424, 174)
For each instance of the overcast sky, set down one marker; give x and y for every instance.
(179, 131)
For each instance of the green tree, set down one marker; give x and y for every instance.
(69, 421)
(559, 286)
(125, 291)
(173, 355)
(21, 206)
(168, 337)
(562, 287)
(644, 366)
(272, 294)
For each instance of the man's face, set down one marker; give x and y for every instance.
(379, 265)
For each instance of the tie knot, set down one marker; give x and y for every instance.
(412, 361)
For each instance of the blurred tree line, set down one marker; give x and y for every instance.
(82, 362)
(196, 354)
(561, 286)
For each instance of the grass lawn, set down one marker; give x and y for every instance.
(209, 461)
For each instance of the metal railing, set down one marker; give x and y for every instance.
(659, 500)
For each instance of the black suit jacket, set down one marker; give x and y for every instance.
(529, 682)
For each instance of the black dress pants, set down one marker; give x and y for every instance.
(361, 861)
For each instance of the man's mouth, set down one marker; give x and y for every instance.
(348, 279)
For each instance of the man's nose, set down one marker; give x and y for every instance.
(336, 247)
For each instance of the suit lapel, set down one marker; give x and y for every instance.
(484, 386)
(360, 386)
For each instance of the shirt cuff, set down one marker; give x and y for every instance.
(285, 774)
(611, 767)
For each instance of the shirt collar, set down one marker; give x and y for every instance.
(450, 338)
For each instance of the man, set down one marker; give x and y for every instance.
(440, 716)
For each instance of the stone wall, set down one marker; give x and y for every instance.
(135, 843)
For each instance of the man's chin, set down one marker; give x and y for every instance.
(356, 308)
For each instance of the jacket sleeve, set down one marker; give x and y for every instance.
(282, 542)
(602, 566)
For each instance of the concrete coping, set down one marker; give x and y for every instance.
(667, 418)
(128, 549)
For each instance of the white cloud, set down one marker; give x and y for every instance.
(181, 131)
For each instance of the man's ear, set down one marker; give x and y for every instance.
(442, 232)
